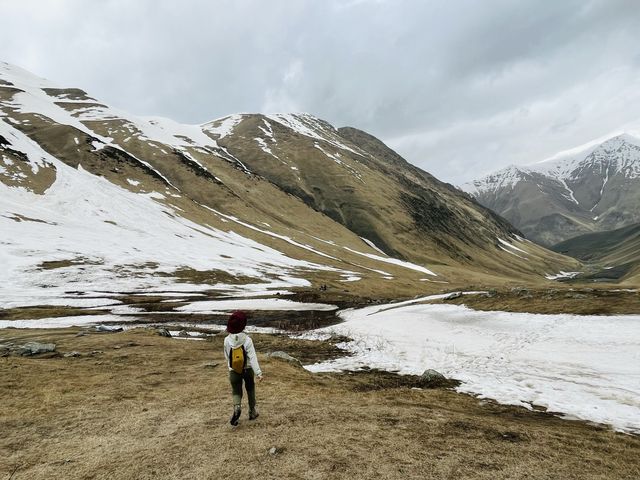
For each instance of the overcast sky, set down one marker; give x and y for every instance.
(460, 88)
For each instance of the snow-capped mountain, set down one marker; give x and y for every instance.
(93, 198)
(589, 190)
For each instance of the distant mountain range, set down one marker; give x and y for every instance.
(92, 197)
(591, 190)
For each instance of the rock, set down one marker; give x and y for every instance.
(72, 354)
(286, 357)
(273, 451)
(432, 378)
(520, 291)
(35, 348)
(81, 334)
(183, 333)
(453, 295)
(163, 332)
(211, 365)
(105, 328)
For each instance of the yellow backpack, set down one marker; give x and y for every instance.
(237, 359)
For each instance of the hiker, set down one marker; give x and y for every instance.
(243, 364)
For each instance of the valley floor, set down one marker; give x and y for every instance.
(137, 405)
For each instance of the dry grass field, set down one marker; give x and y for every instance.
(579, 300)
(137, 405)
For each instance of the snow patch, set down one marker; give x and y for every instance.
(394, 261)
(583, 366)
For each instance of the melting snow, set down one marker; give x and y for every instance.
(586, 367)
(561, 275)
(64, 322)
(372, 245)
(130, 238)
(207, 306)
(394, 261)
(223, 126)
(309, 126)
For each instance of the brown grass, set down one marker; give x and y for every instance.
(143, 406)
(53, 264)
(552, 301)
(46, 311)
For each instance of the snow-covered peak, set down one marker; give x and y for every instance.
(565, 162)
(19, 77)
(507, 177)
(622, 152)
(616, 142)
(72, 106)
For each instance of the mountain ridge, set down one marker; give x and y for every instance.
(329, 206)
(595, 189)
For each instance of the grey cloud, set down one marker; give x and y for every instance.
(459, 88)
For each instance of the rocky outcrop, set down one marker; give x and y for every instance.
(28, 349)
(286, 357)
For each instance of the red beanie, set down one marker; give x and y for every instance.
(237, 322)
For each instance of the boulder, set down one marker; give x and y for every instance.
(453, 295)
(163, 332)
(106, 328)
(286, 357)
(432, 378)
(72, 354)
(35, 348)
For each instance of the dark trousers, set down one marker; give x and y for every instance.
(236, 380)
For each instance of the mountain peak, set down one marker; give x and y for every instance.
(506, 177)
(12, 75)
(614, 143)
(589, 188)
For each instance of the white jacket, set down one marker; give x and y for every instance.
(235, 340)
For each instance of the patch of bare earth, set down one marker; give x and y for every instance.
(137, 405)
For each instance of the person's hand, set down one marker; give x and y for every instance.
(260, 377)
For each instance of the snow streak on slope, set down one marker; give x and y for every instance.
(309, 126)
(126, 238)
(394, 261)
(222, 126)
(587, 367)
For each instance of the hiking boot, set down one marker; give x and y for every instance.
(236, 415)
(253, 414)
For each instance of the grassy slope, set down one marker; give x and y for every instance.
(619, 249)
(145, 407)
(576, 300)
(403, 208)
(596, 246)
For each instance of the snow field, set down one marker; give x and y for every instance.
(117, 240)
(585, 367)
